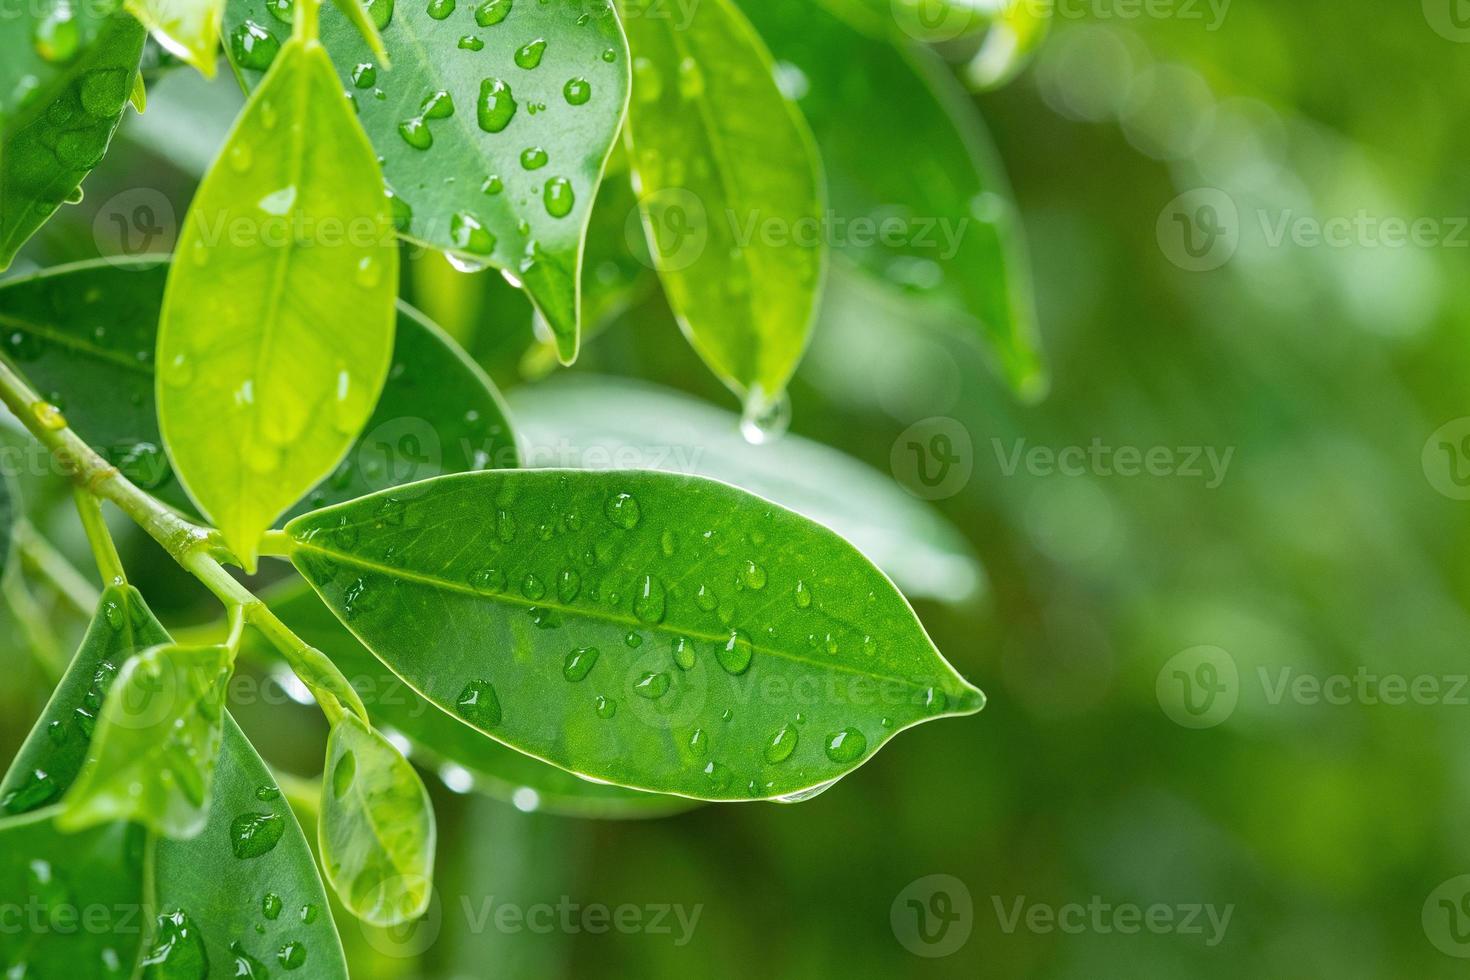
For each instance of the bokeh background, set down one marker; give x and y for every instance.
(1304, 585)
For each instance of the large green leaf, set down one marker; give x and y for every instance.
(493, 126)
(665, 633)
(276, 332)
(58, 113)
(605, 422)
(84, 336)
(443, 739)
(939, 225)
(187, 29)
(157, 742)
(730, 189)
(376, 831)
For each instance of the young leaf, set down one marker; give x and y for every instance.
(65, 74)
(730, 189)
(444, 739)
(158, 738)
(88, 332)
(665, 633)
(519, 102)
(601, 419)
(276, 331)
(186, 29)
(377, 827)
(951, 235)
(59, 878)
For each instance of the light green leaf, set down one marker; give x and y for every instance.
(942, 227)
(66, 70)
(532, 97)
(444, 740)
(187, 29)
(730, 189)
(87, 333)
(607, 422)
(664, 633)
(1009, 44)
(158, 738)
(377, 832)
(85, 890)
(277, 325)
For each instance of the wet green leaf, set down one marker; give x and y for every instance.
(665, 633)
(377, 830)
(443, 739)
(187, 29)
(606, 421)
(501, 168)
(85, 334)
(153, 757)
(730, 188)
(276, 331)
(66, 71)
(941, 228)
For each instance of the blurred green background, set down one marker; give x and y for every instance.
(1332, 545)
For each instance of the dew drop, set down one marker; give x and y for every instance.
(622, 510)
(467, 233)
(753, 576)
(364, 75)
(579, 663)
(736, 654)
(684, 653)
(650, 601)
(577, 91)
(253, 47)
(282, 10)
(246, 966)
(699, 742)
(177, 950)
(765, 419)
(437, 105)
(606, 706)
(718, 774)
(533, 588)
(415, 133)
(706, 599)
(782, 744)
(528, 56)
(478, 704)
(292, 956)
(492, 12)
(559, 197)
(568, 584)
(496, 105)
(846, 746)
(255, 834)
(493, 185)
(652, 685)
(440, 9)
(270, 906)
(470, 43)
(534, 158)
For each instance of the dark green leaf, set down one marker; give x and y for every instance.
(666, 633)
(84, 335)
(57, 114)
(950, 234)
(493, 126)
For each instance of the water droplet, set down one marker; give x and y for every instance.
(282, 10)
(782, 744)
(254, 834)
(467, 233)
(609, 55)
(753, 576)
(533, 588)
(270, 906)
(802, 596)
(718, 774)
(650, 600)
(253, 47)
(652, 685)
(438, 105)
(699, 742)
(470, 43)
(846, 746)
(577, 91)
(606, 706)
(534, 158)
(736, 654)
(489, 581)
(440, 9)
(247, 967)
(415, 133)
(292, 956)
(579, 663)
(364, 75)
(933, 700)
(39, 787)
(684, 653)
(495, 106)
(528, 56)
(49, 416)
(177, 950)
(622, 510)
(706, 599)
(369, 272)
(559, 197)
(492, 185)
(492, 12)
(309, 913)
(765, 419)
(478, 704)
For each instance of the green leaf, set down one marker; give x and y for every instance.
(57, 115)
(276, 332)
(730, 188)
(187, 29)
(1013, 38)
(377, 827)
(603, 422)
(158, 738)
(953, 236)
(84, 335)
(517, 77)
(665, 633)
(446, 741)
(74, 902)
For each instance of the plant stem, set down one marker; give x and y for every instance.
(42, 557)
(109, 565)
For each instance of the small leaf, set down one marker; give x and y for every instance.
(377, 827)
(533, 94)
(637, 627)
(730, 188)
(153, 757)
(187, 29)
(951, 236)
(58, 113)
(277, 324)
(88, 331)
